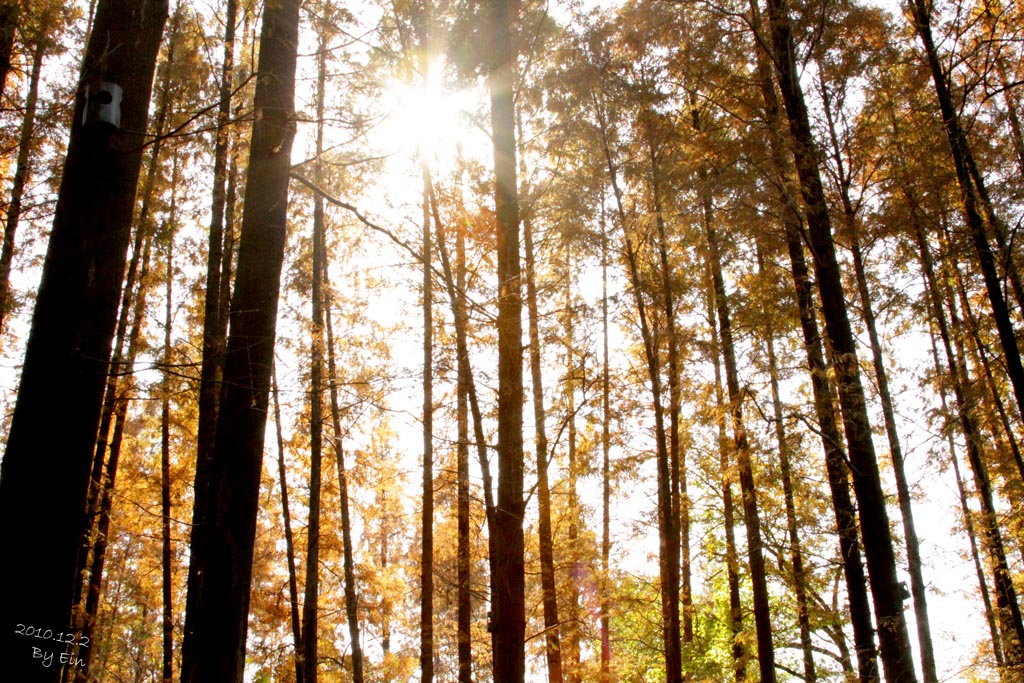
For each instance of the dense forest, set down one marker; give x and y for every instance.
(511, 340)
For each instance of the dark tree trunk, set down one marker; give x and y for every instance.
(289, 544)
(215, 318)
(105, 483)
(21, 174)
(348, 554)
(668, 540)
(310, 604)
(1007, 611)
(918, 587)
(786, 474)
(751, 516)
(974, 200)
(606, 484)
(165, 452)
(508, 634)
(465, 603)
(220, 611)
(9, 10)
(732, 563)
(427, 514)
(895, 650)
(549, 597)
(824, 395)
(69, 344)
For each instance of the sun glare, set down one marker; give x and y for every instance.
(427, 118)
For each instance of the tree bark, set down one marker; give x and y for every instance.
(215, 319)
(9, 11)
(427, 514)
(545, 549)
(896, 655)
(165, 451)
(348, 555)
(786, 474)
(289, 544)
(229, 525)
(508, 582)
(751, 516)
(918, 587)
(70, 340)
(464, 597)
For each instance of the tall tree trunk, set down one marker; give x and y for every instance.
(215, 319)
(72, 329)
(918, 587)
(9, 11)
(974, 200)
(508, 634)
(545, 543)
(895, 650)
(427, 514)
(348, 554)
(732, 563)
(786, 473)
(606, 470)
(105, 493)
(310, 604)
(674, 399)
(668, 545)
(21, 173)
(965, 510)
(229, 526)
(457, 299)
(165, 449)
(1007, 611)
(289, 544)
(465, 604)
(577, 568)
(751, 516)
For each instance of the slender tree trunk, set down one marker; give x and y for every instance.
(965, 510)
(668, 545)
(427, 515)
(918, 587)
(896, 655)
(165, 452)
(1007, 611)
(457, 298)
(289, 544)
(105, 497)
(549, 597)
(824, 395)
(674, 398)
(751, 516)
(786, 472)
(21, 173)
(70, 340)
(606, 473)
(310, 604)
(732, 563)
(348, 554)
(229, 525)
(215, 318)
(972, 193)
(508, 582)
(577, 567)
(465, 604)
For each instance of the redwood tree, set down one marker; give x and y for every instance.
(219, 615)
(46, 470)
